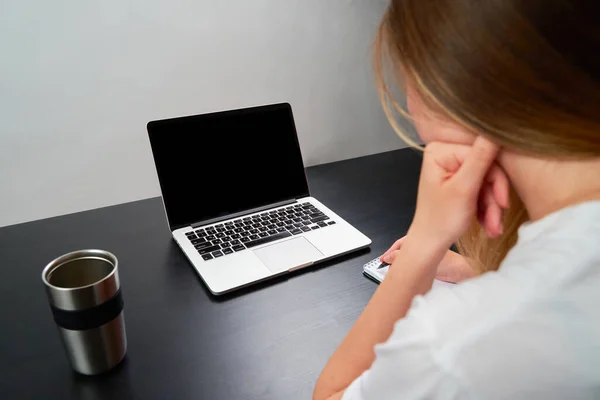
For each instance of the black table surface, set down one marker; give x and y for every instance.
(269, 341)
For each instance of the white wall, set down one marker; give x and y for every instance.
(80, 79)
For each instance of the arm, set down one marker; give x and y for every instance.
(412, 273)
(451, 191)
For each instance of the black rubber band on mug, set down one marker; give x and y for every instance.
(89, 318)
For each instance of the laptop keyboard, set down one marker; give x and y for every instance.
(244, 233)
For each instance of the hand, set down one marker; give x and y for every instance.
(453, 267)
(457, 182)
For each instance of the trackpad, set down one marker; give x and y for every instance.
(291, 254)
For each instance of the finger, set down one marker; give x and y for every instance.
(493, 221)
(491, 215)
(487, 216)
(396, 246)
(478, 162)
(448, 156)
(389, 259)
(481, 206)
(500, 186)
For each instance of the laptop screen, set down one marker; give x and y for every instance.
(223, 163)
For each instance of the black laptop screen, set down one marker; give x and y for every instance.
(218, 164)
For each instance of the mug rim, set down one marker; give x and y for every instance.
(79, 255)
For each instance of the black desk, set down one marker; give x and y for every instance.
(267, 342)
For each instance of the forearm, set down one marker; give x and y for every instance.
(412, 273)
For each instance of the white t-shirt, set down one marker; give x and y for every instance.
(529, 331)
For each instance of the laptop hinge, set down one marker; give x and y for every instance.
(239, 214)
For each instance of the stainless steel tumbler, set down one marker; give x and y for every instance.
(85, 297)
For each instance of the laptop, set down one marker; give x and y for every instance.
(237, 199)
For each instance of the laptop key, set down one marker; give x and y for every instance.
(225, 245)
(306, 229)
(229, 232)
(331, 223)
(281, 230)
(296, 231)
(315, 227)
(210, 237)
(207, 257)
(210, 249)
(254, 231)
(235, 242)
(322, 224)
(319, 219)
(290, 227)
(254, 237)
(202, 245)
(217, 254)
(268, 239)
(238, 230)
(236, 236)
(272, 232)
(228, 250)
(298, 224)
(198, 241)
(244, 240)
(263, 234)
(239, 247)
(220, 235)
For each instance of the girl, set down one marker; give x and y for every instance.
(506, 96)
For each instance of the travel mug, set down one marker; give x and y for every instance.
(85, 297)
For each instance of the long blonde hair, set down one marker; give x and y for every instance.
(524, 73)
